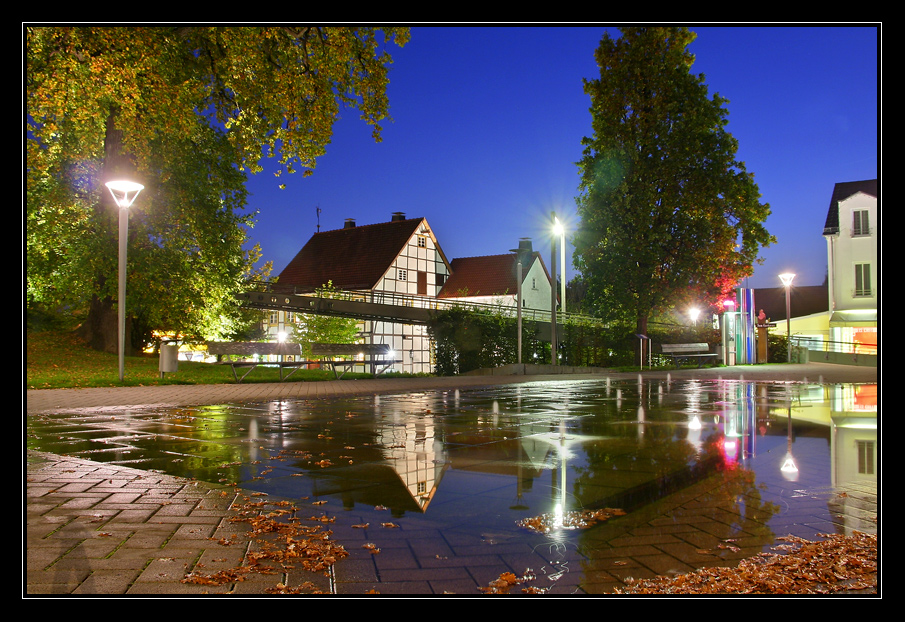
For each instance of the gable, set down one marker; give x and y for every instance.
(489, 275)
(843, 191)
(353, 258)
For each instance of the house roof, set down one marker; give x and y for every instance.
(353, 258)
(842, 191)
(803, 300)
(488, 275)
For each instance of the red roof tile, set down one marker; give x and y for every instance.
(490, 275)
(353, 258)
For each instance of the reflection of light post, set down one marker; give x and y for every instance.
(124, 193)
(558, 229)
(786, 279)
(789, 468)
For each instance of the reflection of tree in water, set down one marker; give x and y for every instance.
(710, 485)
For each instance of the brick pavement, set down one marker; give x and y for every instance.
(100, 529)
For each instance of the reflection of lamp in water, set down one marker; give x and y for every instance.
(519, 504)
(789, 468)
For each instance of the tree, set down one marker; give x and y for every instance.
(187, 111)
(667, 212)
(316, 328)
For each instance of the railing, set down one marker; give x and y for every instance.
(838, 347)
(427, 302)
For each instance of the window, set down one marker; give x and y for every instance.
(402, 276)
(860, 222)
(862, 279)
(422, 241)
(865, 457)
(422, 283)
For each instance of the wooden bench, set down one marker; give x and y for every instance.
(681, 352)
(250, 350)
(375, 354)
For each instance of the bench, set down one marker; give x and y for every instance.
(681, 352)
(374, 354)
(246, 349)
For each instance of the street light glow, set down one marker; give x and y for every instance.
(120, 190)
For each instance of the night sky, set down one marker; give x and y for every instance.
(488, 121)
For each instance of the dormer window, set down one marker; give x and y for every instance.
(860, 222)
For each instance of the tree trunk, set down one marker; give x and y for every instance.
(100, 329)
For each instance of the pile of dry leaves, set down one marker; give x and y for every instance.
(839, 564)
(282, 540)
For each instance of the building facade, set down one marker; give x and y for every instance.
(852, 237)
(396, 262)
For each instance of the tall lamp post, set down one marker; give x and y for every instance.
(786, 279)
(553, 348)
(124, 193)
(559, 230)
(518, 299)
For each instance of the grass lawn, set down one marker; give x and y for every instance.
(57, 360)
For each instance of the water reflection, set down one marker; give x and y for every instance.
(480, 460)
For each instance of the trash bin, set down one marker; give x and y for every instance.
(169, 359)
(800, 354)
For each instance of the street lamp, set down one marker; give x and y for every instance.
(124, 193)
(694, 313)
(786, 279)
(560, 230)
(518, 299)
(553, 347)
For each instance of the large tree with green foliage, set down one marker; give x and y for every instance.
(667, 212)
(187, 111)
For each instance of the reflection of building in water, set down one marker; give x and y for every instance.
(850, 413)
(414, 452)
(855, 448)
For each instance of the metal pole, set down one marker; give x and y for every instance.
(788, 326)
(553, 348)
(121, 301)
(562, 257)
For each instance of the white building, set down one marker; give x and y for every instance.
(492, 279)
(396, 262)
(852, 234)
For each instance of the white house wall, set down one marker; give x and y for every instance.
(849, 250)
(411, 343)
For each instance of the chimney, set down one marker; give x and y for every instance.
(525, 251)
(397, 216)
(350, 223)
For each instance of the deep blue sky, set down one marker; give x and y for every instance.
(488, 121)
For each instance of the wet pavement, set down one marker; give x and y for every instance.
(110, 529)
